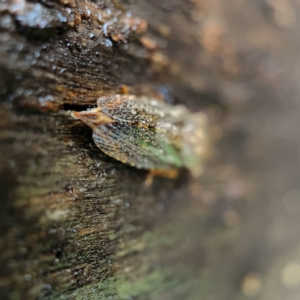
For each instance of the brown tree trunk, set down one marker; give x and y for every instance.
(77, 224)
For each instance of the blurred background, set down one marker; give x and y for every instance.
(76, 224)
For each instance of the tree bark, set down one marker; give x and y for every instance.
(77, 224)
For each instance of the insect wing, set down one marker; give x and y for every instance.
(142, 147)
(138, 110)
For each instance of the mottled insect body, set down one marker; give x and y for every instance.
(148, 133)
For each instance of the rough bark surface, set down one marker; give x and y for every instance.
(76, 224)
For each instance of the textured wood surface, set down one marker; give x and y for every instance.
(76, 224)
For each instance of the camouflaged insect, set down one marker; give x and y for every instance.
(147, 133)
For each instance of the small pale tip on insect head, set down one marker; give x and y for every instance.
(75, 114)
(93, 117)
(91, 114)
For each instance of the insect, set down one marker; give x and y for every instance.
(148, 134)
